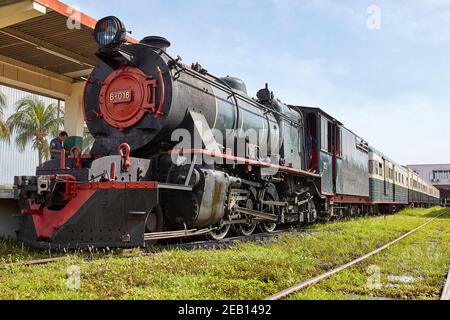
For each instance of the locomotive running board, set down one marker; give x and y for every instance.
(258, 214)
(178, 187)
(175, 234)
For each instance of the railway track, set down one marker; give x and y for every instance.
(311, 282)
(257, 238)
(229, 242)
(196, 245)
(446, 292)
(34, 262)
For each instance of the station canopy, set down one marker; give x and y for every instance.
(48, 35)
(48, 48)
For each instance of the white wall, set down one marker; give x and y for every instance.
(12, 162)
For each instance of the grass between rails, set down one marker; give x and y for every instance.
(413, 269)
(247, 271)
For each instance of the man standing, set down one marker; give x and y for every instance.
(57, 145)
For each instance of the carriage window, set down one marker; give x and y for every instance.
(324, 134)
(372, 167)
(338, 142)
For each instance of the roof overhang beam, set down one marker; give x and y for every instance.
(33, 79)
(19, 12)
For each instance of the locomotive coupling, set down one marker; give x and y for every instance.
(42, 190)
(32, 187)
(24, 187)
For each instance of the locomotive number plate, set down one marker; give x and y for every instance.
(121, 96)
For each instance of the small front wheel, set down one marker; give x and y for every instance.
(220, 232)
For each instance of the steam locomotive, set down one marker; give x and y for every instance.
(179, 153)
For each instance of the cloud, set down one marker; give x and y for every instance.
(390, 86)
(405, 129)
(419, 22)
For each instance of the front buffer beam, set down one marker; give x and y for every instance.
(99, 215)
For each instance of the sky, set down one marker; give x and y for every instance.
(382, 67)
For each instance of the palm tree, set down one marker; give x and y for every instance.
(34, 122)
(4, 132)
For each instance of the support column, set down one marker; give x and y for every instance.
(73, 115)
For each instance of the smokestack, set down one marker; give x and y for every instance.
(158, 42)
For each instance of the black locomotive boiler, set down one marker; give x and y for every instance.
(178, 152)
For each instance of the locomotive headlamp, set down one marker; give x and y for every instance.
(110, 32)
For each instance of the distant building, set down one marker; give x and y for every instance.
(438, 175)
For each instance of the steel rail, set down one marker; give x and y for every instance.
(446, 293)
(309, 283)
(34, 262)
(42, 261)
(227, 242)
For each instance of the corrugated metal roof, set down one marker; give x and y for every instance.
(6, 2)
(21, 42)
(12, 162)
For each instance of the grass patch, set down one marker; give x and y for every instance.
(413, 269)
(246, 271)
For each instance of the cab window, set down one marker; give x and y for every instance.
(338, 142)
(324, 134)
